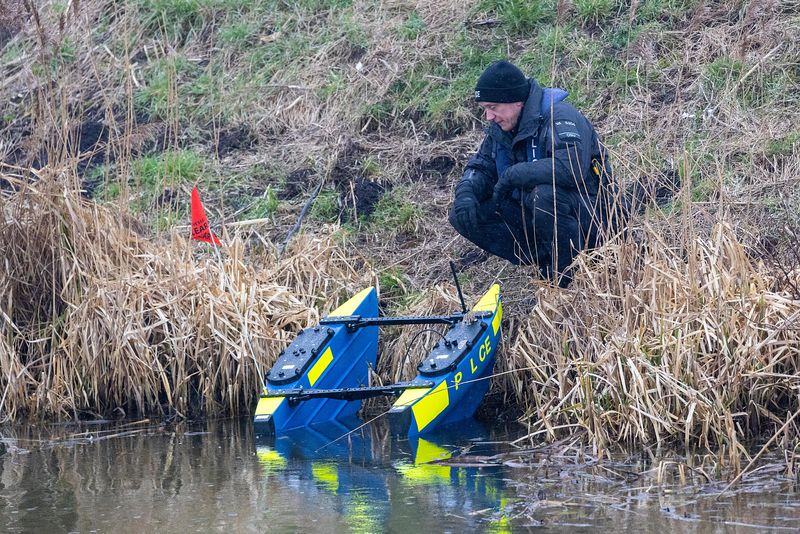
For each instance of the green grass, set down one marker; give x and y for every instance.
(412, 27)
(296, 45)
(67, 51)
(725, 77)
(722, 74)
(370, 167)
(537, 61)
(520, 16)
(345, 234)
(175, 18)
(326, 206)
(166, 219)
(392, 283)
(783, 146)
(284, 51)
(153, 175)
(151, 178)
(253, 43)
(624, 34)
(439, 94)
(394, 213)
(265, 206)
(315, 6)
(335, 84)
(13, 51)
(351, 30)
(207, 99)
(376, 115)
(594, 11)
(59, 8)
(704, 190)
(108, 190)
(168, 167)
(166, 87)
(239, 33)
(664, 10)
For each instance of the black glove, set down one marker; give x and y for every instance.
(501, 190)
(519, 176)
(465, 207)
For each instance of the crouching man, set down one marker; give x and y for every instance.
(539, 189)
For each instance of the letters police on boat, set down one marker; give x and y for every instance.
(323, 374)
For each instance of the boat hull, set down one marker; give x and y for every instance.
(460, 387)
(341, 358)
(310, 381)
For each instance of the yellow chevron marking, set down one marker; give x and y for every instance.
(497, 318)
(268, 405)
(271, 460)
(350, 306)
(327, 474)
(488, 303)
(319, 367)
(409, 397)
(431, 405)
(429, 452)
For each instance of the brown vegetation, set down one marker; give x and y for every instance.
(100, 320)
(682, 331)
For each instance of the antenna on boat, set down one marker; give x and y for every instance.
(458, 287)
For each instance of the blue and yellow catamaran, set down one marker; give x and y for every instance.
(323, 374)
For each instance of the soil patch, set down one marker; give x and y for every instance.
(5, 36)
(92, 149)
(235, 138)
(168, 197)
(5, 185)
(364, 196)
(434, 170)
(346, 167)
(296, 182)
(92, 141)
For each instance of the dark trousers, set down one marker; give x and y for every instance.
(545, 227)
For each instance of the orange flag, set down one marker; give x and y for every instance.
(200, 229)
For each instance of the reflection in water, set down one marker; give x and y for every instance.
(382, 482)
(217, 477)
(66, 479)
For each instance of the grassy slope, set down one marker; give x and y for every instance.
(259, 102)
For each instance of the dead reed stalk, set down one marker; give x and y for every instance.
(659, 342)
(96, 318)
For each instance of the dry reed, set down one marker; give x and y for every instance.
(659, 342)
(98, 319)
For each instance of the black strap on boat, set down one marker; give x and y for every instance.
(300, 394)
(356, 321)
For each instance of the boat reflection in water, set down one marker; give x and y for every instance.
(381, 482)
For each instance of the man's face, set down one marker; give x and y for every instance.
(504, 115)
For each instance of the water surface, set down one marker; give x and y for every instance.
(218, 477)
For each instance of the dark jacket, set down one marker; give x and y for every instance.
(553, 144)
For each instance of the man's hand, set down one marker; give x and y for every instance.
(506, 183)
(501, 190)
(520, 176)
(465, 207)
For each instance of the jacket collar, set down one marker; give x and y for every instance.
(531, 116)
(529, 119)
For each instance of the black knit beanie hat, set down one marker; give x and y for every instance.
(502, 82)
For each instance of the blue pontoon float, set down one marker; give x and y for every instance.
(323, 374)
